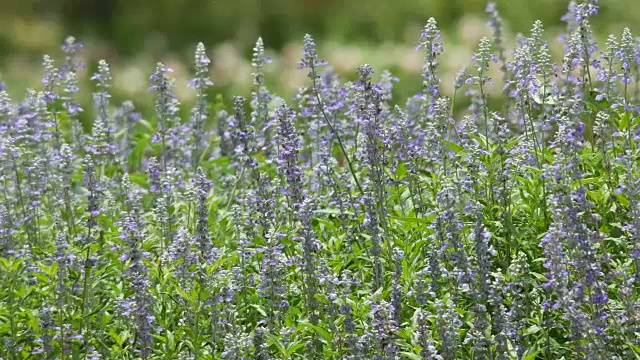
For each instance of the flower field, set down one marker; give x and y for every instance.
(344, 223)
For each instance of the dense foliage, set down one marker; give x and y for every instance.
(334, 225)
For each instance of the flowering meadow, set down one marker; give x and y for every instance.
(341, 224)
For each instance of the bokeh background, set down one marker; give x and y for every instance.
(134, 34)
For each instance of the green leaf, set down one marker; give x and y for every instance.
(415, 220)
(533, 329)
(411, 356)
(531, 354)
(326, 335)
(260, 309)
(275, 341)
(333, 212)
(294, 347)
(635, 348)
(453, 146)
(401, 171)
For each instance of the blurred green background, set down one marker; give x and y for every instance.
(133, 34)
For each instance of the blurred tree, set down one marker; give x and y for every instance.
(93, 16)
(172, 25)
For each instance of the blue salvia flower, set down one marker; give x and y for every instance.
(311, 103)
(65, 260)
(310, 58)
(93, 354)
(237, 345)
(311, 123)
(94, 209)
(69, 80)
(272, 272)
(260, 345)
(45, 342)
(608, 70)
(448, 324)
(31, 122)
(580, 44)
(12, 203)
(51, 79)
(181, 252)
(51, 82)
(7, 112)
(311, 62)
(495, 23)
(125, 119)
(577, 14)
(572, 60)
(397, 296)
(384, 328)
(371, 224)
(99, 143)
(260, 96)
(201, 81)
(139, 306)
(287, 162)
(199, 114)
(431, 44)
(242, 136)
(447, 230)
(366, 111)
(202, 238)
(69, 89)
(30, 135)
(546, 71)
(574, 269)
(299, 203)
(154, 172)
(423, 337)
(71, 48)
(7, 228)
(481, 290)
(482, 60)
(627, 54)
(437, 135)
(333, 93)
(500, 325)
(524, 69)
(166, 106)
(516, 289)
(102, 144)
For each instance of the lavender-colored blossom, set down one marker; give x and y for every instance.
(431, 43)
(199, 114)
(101, 98)
(139, 305)
(125, 119)
(310, 58)
(51, 79)
(71, 47)
(495, 23)
(260, 97)
(94, 209)
(166, 106)
(201, 186)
